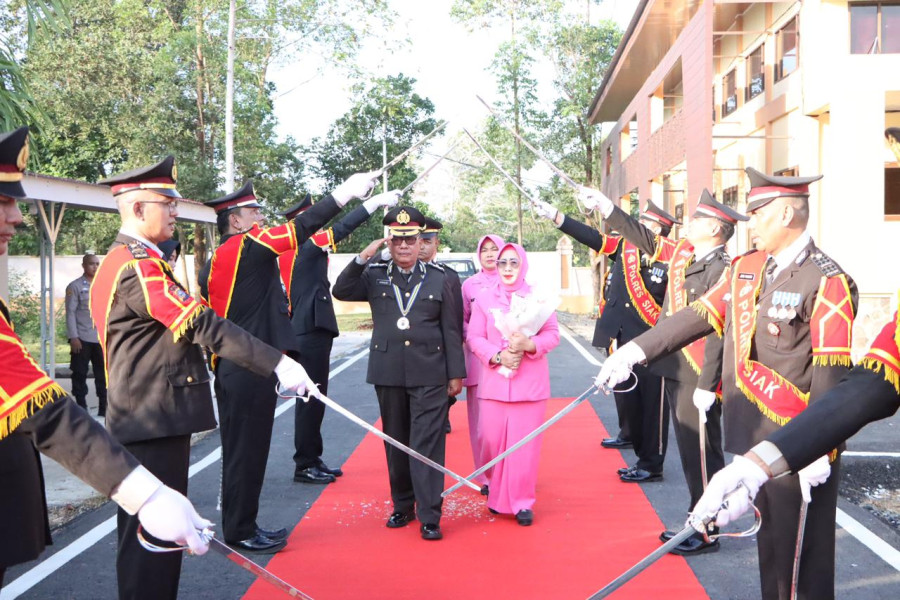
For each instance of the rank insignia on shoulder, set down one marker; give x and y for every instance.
(179, 292)
(828, 267)
(436, 266)
(138, 250)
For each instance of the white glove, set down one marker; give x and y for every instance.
(703, 400)
(171, 517)
(617, 367)
(813, 474)
(293, 376)
(594, 200)
(356, 186)
(385, 200)
(743, 477)
(543, 209)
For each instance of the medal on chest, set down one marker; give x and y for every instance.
(784, 305)
(404, 307)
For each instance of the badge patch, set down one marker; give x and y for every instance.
(178, 292)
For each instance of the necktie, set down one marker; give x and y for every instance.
(770, 270)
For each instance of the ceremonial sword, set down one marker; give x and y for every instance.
(566, 410)
(695, 524)
(702, 431)
(208, 536)
(399, 158)
(798, 548)
(499, 168)
(428, 170)
(313, 391)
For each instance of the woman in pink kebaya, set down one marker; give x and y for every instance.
(512, 400)
(487, 250)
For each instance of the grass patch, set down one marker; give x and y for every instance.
(354, 322)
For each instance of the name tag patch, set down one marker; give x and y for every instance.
(747, 276)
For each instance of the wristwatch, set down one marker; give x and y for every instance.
(496, 359)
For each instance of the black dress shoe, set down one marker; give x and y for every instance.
(492, 511)
(667, 535)
(312, 475)
(616, 443)
(695, 545)
(623, 470)
(640, 476)
(400, 519)
(525, 517)
(431, 531)
(258, 544)
(485, 490)
(273, 534)
(323, 468)
(447, 427)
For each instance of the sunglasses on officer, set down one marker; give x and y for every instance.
(409, 239)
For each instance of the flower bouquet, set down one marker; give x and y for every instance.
(526, 315)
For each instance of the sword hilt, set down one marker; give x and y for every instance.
(701, 523)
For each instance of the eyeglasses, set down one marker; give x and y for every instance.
(512, 262)
(171, 204)
(410, 240)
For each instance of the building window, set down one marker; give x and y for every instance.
(714, 104)
(786, 50)
(756, 74)
(730, 196)
(892, 191)
(729, 93)
(788, 172)
(875, 28)
(608, 161)
(634, 204)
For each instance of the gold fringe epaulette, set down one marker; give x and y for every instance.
(49, 394)
(188, 321)
(705, 314)
(875, 365)
(832, 360)
(765, 410)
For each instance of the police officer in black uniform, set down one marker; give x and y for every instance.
(305, 277)
(416, 360)
(622, 319)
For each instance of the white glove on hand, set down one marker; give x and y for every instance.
(594, 200)
(171, 517)
(813, 474)
(546, 210)
(704, 400)
(385, 200)
(743, 477)
(293, 376)
(356, 186)
(617, 367)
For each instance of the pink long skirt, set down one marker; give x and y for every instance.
(472, 405)
(514, 479)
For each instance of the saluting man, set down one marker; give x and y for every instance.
(416, 360)
(636, 291)
(242, 283)
(151, 331)
(304, 274)
(692, 377)
(786, 312)
(36, 413)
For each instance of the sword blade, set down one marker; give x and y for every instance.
(399, 158)
(385, 437)
(648, 560)
(499, 168)
(428, 170)
(798, 549)
(524, 440)
(245, 563)
(568, 180)
(703, 472)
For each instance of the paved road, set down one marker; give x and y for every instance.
(728, 574)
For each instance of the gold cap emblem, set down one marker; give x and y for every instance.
(174, 173)
(403, 218)
(22, 159)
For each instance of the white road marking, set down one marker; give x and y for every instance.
(872, 454)
(878, 546)
(47, 567)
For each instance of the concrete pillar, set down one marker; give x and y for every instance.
(564, 249)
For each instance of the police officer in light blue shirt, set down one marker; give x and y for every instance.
(83, 340)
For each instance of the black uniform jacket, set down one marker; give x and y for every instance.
(789, 353)
(310, 291)
(620, 320)
(430, 352)
(66, 433)
(159, 386)
(699, 277)
(258, 301)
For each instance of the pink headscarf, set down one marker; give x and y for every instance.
(498, 241)
(505, 290)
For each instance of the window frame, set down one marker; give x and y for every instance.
(879, 25)
(779, 49)
(748, 90)
(732, 75)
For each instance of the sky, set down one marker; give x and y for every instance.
(449, 63)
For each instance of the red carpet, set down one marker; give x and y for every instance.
(589, 527)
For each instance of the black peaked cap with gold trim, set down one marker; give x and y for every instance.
(13, 159)
(244, 197)
(765, 188)
(298, 208)
(432, 227)
(404, 221)
(655, 213)
(159, 178)
(708, 206)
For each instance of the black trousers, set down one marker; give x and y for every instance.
(779, 502)
(246, 416)
(648, 419)
(622, 413)
(686, 422)
(141, 573)
(91, 354)
(415, 416)
(315, 356)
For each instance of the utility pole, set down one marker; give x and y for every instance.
(229, 102)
